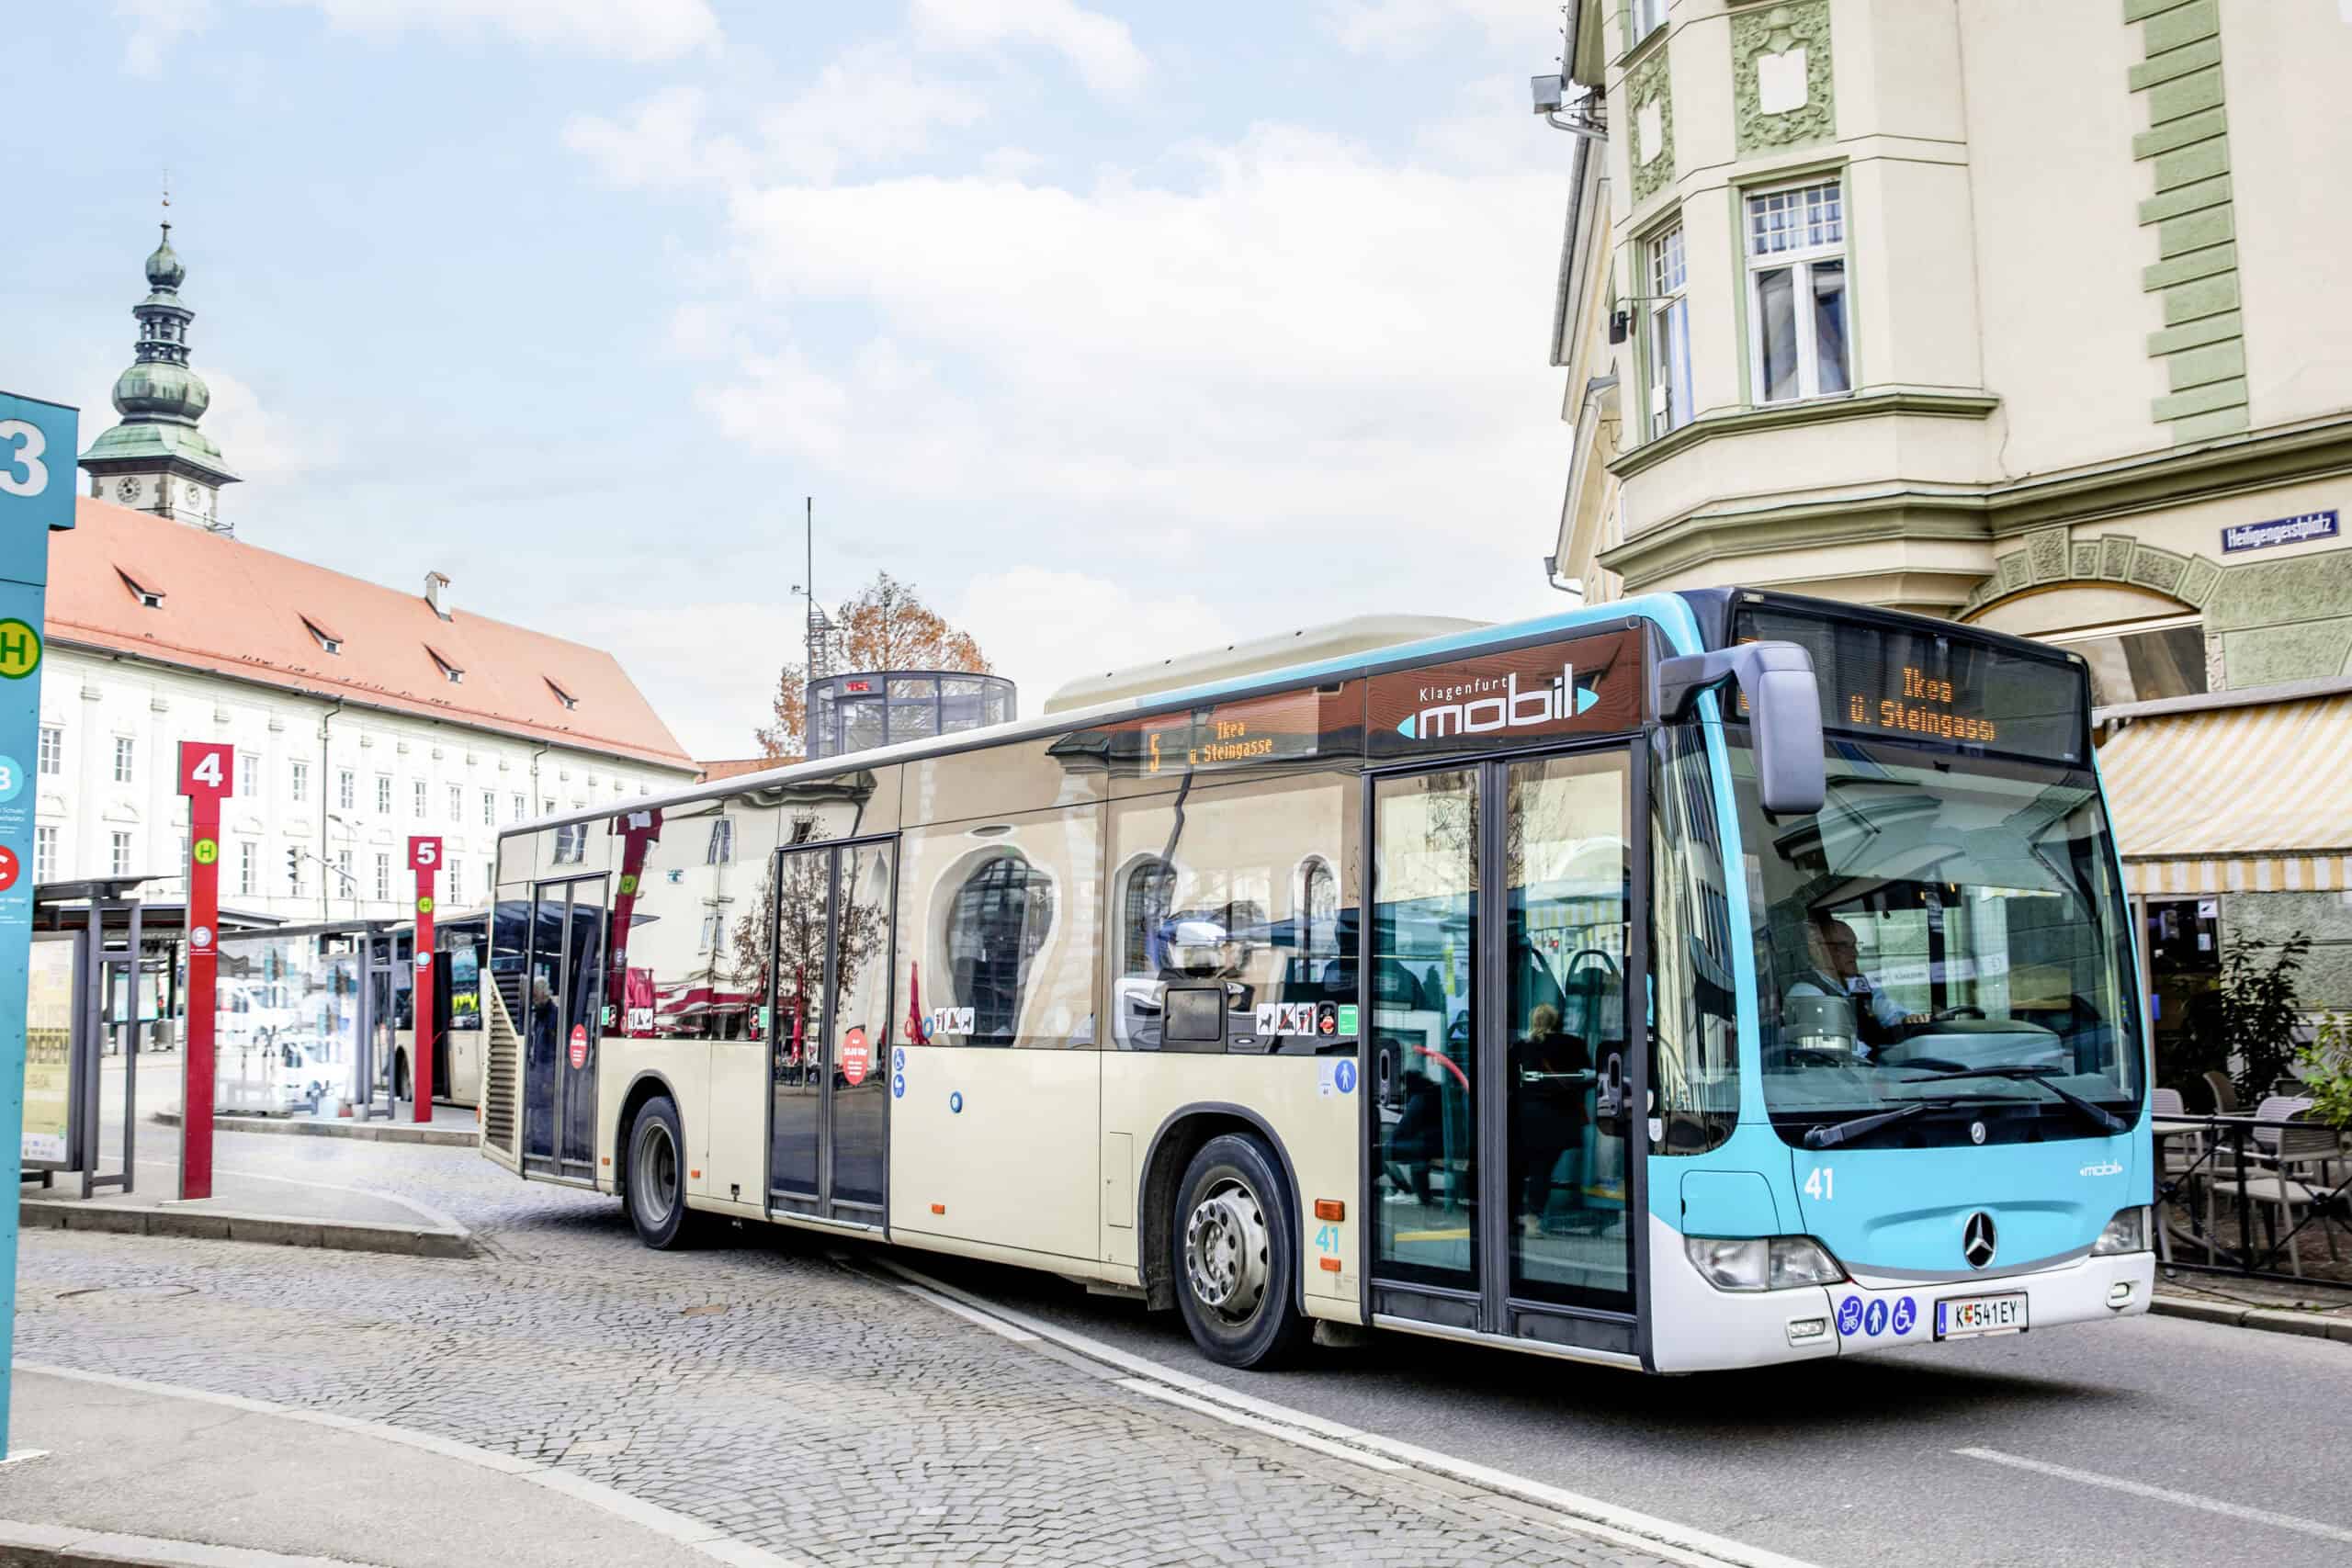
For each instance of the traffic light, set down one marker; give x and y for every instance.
(294, 865)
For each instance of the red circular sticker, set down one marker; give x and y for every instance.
(578, 1045)
(856, 1056)
(8, 866)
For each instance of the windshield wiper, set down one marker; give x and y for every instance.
(2097, 1115)
(1836, 1133)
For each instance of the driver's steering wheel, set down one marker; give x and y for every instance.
(1963, 1012)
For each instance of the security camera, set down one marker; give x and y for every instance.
(1550, 92)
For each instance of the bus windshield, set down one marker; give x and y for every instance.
(1946, 929)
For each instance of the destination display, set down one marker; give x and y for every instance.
(1924, 685)
(1251, 732)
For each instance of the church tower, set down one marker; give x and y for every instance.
(156, 460)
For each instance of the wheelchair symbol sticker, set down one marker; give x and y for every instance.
(1849, 1316)
(898, 1058)
(1874, 1320)
(1906, 1316)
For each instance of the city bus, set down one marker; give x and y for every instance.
(1692, 982)
(462, 964)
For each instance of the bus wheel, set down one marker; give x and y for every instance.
(1237, 1256)
(657, 1188)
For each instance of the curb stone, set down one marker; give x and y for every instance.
(26, 1545)
(2230, 1315)
(365, 1132)
(221, 1225)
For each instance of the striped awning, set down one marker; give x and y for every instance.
(2253, 799)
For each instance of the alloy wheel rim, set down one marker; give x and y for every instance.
(1227, 1251)
(657, 1169)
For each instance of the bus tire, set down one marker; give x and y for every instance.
(657, 1171)
(1235, 1255)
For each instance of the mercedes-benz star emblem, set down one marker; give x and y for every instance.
(1978, 1239)
(1976, 1132)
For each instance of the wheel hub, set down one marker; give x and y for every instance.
(1225, 1251)
(657, 1173)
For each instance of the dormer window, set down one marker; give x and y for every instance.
(449, 671)
(149, 598)
(566, 698)
(321, 635)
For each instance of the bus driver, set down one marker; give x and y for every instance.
(1829, 944)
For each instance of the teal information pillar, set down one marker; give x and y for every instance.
(38, 441)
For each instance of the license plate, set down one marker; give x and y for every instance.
(1981, 1314)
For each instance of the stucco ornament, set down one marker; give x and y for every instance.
(1653, 150)
(1780, 75)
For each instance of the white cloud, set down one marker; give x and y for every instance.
(156, 25)
(1399, 27)
(624, 30)
(261, 442)
(660, 143)
(1042, 627)
(865, 107)
(1100, 48)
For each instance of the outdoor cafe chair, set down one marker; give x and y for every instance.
(2278, 1155)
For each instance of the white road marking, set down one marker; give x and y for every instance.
(1590, 1515)
(996, 1325)
(2163, 1495)
(688, 1532)
(1152, 1390)
(431, 1213)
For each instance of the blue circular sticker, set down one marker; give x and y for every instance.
(898, 1058)
(898, 1086)
(956, 1102)
(1849, 1316)
(12, 778)
(1874, 1319)
(1906, 1316)
(1344, 1075)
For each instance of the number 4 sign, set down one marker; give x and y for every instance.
(206, 778)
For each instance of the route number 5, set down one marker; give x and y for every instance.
(1821, 1184)
(30, 445)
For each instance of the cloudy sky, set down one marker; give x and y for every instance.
(1120, 331)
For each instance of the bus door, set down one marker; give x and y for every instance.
(829, 1049)
(1505, 958)
(563, 976)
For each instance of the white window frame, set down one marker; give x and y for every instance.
(1666, 341)
(298, 780)
(126, 759)
(383, 875)
(490, 808)
(383, 794)
(1644, 17)
(44, 853)
(119, 852)
(248, 868)
(457, 803)
(346, 790)
(420, 797)
(1800, 260)
(51, 757)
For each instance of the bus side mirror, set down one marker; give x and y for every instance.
(1784, 709)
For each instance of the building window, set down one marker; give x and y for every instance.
(714, 931)
(44, 854)
(248, 868)
(125, 758)
(488, 808)
(1796, 292)
(566, 698)
(1669, 335)
(383, 875)
(722, 843)
(2142, 663)
(457, 883)
(344, 883)
(383, 794)
(120, 859)
(457, 803)
(248, 773)
(326, 639)
(1644, 17)
(346, 790)
(516, 802)
(572, 844)
(298, 782)
(52, 750)
(416, 798)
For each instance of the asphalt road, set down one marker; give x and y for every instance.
(1851, 1462)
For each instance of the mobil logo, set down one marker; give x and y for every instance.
(1485, 706)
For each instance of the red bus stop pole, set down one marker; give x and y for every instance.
(206, 778)
(424, 859)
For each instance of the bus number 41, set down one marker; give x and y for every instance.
(1821, 1184)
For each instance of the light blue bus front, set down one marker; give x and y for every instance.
(1935, 1128)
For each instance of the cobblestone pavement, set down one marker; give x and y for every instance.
(769, 1387)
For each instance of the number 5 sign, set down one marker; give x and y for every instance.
(424, 859)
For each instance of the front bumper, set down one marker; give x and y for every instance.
(1696, 1328)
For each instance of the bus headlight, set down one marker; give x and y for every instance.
(2128, 1232)
(1762, 1263)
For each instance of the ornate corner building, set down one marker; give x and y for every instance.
(2027, 315)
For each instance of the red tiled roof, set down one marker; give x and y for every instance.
(236, 609)
(733, 767)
